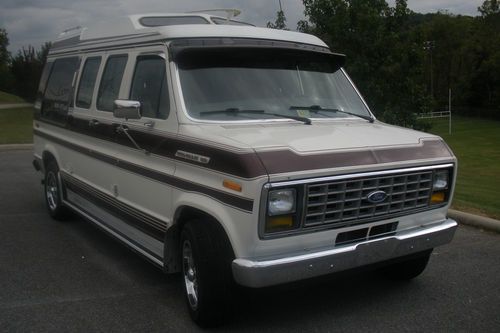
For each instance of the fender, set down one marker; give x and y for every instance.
(199, 206)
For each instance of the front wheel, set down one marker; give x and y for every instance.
(408, 269)
(53, 195)
(206, 272)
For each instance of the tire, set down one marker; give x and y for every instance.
(53, 194)
(408, 269)
(206, 258)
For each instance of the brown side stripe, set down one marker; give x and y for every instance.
(231, 200)
(243, 165)
(251, 165)
(147, 224)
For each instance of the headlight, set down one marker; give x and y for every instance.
(440, 187)
(281, 202)
(440, 181)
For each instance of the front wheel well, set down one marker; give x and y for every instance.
(184, 214)
(47, 157)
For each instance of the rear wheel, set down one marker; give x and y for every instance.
(207, 277)
(53, 195)
(408, 269)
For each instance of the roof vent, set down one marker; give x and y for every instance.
(70, 32)
(162, 21)
(230, 13)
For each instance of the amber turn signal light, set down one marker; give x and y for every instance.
(437, 197)
(232, 185)
(279, 223)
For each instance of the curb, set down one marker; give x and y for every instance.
(475, 220)
(14, 106)
(24, 146)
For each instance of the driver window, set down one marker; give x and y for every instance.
(150, 88)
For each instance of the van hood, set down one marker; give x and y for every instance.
(321, 137)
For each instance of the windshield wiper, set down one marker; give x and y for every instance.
(318, 108)
(235, 111)
(305, 120)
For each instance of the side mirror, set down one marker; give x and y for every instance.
(123, 108)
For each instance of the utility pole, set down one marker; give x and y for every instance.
(449, 109)
(432, 78)
(281, 8)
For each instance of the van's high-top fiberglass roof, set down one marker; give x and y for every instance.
(143, 28)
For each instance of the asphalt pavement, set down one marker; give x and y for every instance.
(72, 277)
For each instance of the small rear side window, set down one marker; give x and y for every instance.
(159, 21)
(59, 91)
(110, 82)
(87, 82)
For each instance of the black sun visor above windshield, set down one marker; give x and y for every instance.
(257, 56)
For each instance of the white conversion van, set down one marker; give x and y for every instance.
(234, 155)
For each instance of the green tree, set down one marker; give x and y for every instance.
(43, 53)
(489, 7)
(447, 60)
(405, 63)
(485, 80)
(382, 55)
(26, 68)
(4, 42)
(280, 22)
(5, 77)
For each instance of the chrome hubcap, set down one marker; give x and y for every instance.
(189, 271)
(51, 190)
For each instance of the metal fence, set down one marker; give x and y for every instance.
(437, 114)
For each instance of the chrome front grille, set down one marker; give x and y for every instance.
(344, 202)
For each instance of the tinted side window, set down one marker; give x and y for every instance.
(87, 82)
(149, 87)
(110, 82)
(59, 89)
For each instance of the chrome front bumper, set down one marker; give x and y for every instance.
(254, 273)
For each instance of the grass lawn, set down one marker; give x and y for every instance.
(16, 125)
(6, 98)
(476, 143)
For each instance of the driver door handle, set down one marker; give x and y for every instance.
(93, 123)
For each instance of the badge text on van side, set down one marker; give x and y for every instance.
(192, 157)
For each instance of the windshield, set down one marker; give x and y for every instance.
(217, 82)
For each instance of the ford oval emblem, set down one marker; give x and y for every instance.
(376, 197)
